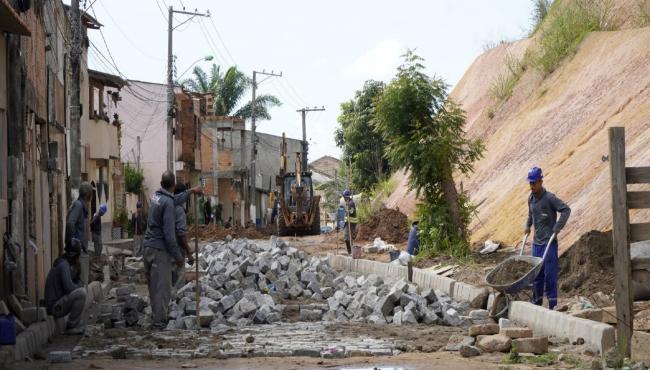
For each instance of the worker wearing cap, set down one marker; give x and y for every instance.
(64, 291)
(350, 220)
(96, 228)
(543, 208)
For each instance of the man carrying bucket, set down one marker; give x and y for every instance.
(543, 207)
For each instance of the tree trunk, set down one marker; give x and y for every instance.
(451, 197)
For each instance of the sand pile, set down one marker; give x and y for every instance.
(388, 224)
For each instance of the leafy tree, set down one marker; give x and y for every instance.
(424, 129)
(133, 179)
(361, 144)
(228, 90)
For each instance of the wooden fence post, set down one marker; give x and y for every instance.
(621, 241)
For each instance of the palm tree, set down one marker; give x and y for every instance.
(227, 90)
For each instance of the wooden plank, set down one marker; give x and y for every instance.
(638, 199)
(637, 175)
(639, 232)
(621, 243)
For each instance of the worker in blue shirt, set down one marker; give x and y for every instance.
(543, 209)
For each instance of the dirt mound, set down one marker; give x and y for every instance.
(388, 224)
(588, 265)
(216, 232)
(511, 272)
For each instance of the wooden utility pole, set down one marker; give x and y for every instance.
(623, 233)
(170, 79)
(75, 96)
(252, 199)
(305, 144)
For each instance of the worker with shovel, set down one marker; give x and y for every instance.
(543, 207)
(350, 226)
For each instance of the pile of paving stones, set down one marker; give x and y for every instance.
(249, 282)
(264, 282)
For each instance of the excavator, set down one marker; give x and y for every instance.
(299, 208)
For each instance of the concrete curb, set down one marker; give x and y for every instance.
(457, 290)
(598, 336)
(37, 334)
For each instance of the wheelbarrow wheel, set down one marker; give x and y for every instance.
(499, 307)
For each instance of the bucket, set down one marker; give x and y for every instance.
(7, 329)
(393, 255)
(356, 252)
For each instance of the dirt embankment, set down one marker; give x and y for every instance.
(587, 266)
(388, 224)
(558, 122)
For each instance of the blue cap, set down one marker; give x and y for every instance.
(103, 208)
(347, 193)
(535, 174)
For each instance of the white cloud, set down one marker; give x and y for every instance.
(379, 62)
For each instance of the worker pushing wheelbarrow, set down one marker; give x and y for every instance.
(540, 270)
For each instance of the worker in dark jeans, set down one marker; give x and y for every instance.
(543, 208)
(207, 207)
(64, 291)
(351, 220)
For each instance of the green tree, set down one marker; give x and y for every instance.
(133, 179)
(227, 90)
(424, 129)
(361, 143)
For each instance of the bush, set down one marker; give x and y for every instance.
(566, 25)
(540, 11)
(133, 179)
(503, 86)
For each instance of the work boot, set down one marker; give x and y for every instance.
(348, 245)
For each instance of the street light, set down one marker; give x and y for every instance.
(207, 58)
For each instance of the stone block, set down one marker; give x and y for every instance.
(536, 345)
(30, 315)
(469, 351)
(485, 329)
(226, 303)
(206, 317)
(384, 306)
(457, 340)
(479, 314)
(14, 305)
(4, 310)
(310, 315)
(505, 323)
(494, 343)
(96, 330)
(639, 347)
(59, 357)
(595, 314)
(516, 333)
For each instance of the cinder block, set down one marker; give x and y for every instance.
(598, 336)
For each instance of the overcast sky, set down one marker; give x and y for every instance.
(325, 49)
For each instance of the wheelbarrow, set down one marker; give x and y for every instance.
(510, 289)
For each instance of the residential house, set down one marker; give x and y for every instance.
(143, 119)
(33, 102)
(100, 140)
(226, 153)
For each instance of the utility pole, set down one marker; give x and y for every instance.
(75, 104)
(138, 159)
(170, 79)
(305, 145)
(252, 199)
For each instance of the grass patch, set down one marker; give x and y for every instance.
(513, 357)
(490, 113)
(572, 359)
(564, 28)
(503, 86)
(643, 16)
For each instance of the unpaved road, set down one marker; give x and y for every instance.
(437, 360)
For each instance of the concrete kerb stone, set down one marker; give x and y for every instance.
(469, 293)
(598, 336)
(428, 280)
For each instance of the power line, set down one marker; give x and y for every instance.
(222, 42)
